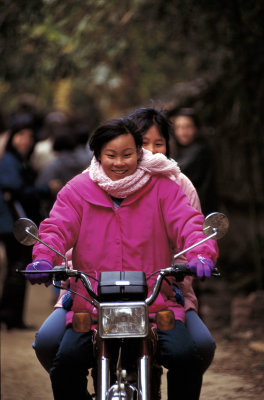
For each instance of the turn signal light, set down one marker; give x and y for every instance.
(165, 320)
(82, 322)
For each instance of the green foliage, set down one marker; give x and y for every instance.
(116, 55)
(126, 53)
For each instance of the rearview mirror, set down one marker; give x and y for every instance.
(216, 223)
(25, 231)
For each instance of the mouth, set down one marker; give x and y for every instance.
(119, 172)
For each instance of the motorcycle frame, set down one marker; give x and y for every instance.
(146, 351)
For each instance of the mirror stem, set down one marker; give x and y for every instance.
(196, 244)
(45, 244)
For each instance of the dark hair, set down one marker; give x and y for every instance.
(17, 124)
(190, 113)
(64, 139)
(111, 130)
(146, 117)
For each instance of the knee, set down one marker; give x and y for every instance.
(75, 354)
(201, 336)
(207, 351)
(177, 349)
(45, 350)
(46, 346)
(42, 343)
(183, 356)
(68, 366)
(49, 336)
(207, 347)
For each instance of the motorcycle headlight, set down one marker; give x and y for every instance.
(117, 320)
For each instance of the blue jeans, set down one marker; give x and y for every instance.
(175, 350)
(49, 336)
(70, 367)
(202, 338)
(192, 358)
(179, 354)
(198, 347)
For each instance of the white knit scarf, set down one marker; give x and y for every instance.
(149, 165)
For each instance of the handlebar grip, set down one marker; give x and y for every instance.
(58, 272)
(43, 271)
(182, 270)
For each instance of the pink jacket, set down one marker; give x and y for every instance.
(141, 234)
(190, 299)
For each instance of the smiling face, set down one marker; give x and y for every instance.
(153, 141)
(119, 157)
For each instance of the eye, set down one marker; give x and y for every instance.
(127, 155)
(110, 155)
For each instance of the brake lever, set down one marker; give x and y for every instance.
(215, 272)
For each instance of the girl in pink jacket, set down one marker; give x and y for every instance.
(126, 212)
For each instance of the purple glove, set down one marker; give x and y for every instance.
(39, 265)
(201, 266)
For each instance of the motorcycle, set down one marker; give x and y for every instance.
(124, 336)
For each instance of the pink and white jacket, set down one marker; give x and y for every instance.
(190, 299)
(140, 235)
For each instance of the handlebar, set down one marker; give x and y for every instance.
(178, 271)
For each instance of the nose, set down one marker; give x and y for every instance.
(119, 161)
(150, 147)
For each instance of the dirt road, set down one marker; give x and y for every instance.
(236, 373)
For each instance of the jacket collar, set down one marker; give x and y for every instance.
(92, 193)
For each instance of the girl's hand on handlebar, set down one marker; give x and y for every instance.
(39, 265)
(201, 266)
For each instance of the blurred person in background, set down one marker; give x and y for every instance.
(43, 152)
(194, 156)
(81, 129)
(21, 198)
(4, 135)
(71, 156)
